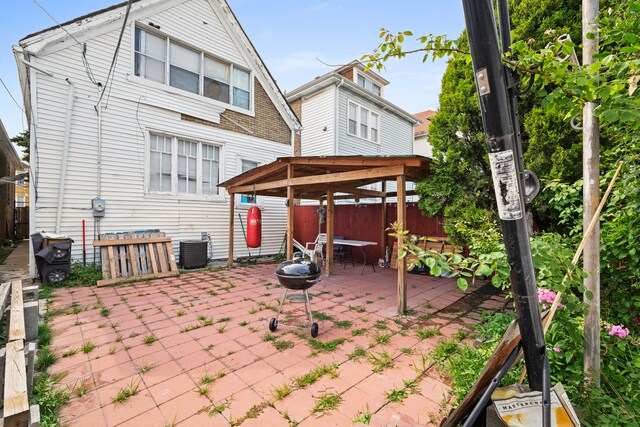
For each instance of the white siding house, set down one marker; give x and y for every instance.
(344, 113)
(150, 127)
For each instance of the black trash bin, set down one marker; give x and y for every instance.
(53, 258)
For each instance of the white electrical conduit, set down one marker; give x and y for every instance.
(65, 152)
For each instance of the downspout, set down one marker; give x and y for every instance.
(335, 119)
(99, 171)
(65, 152)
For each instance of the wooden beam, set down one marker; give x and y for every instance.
(16, 319)
(131, 241)
(290, 213)
(356, 191)
(354, 161)
(383, 222)
(330, 227)
(402, 263)
(232, 205)
(407, 193)
(16, 401)
(255, 174)
(364, 174)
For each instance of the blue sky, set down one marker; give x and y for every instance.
(294, 38)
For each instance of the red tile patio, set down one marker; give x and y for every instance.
(197, 349)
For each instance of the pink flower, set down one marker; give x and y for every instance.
(546, 296)
(556, 349)
(617, 331)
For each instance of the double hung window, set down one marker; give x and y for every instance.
(362, 122)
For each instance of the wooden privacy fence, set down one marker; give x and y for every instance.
(22, 222)
(363, 222)
(18, 356)
(134, 255)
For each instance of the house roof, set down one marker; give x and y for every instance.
(335, 78)
(9, 150)
(53, 35)
(369, 73)
(313, 176)
(425, 119)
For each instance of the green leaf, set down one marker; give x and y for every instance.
(462, 284)
(436, 270)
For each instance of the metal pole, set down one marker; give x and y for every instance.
(590, 197)
(503, 155)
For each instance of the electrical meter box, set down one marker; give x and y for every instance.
(98, 207)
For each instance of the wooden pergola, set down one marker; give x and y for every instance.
(327, 179)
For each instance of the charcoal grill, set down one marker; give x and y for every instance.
(297, 275)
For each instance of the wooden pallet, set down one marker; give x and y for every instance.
(134, 256)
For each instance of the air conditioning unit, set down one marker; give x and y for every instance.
(193, 254)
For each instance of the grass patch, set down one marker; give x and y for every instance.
(46, 358)
(342, 324)
(357, 353)
(269, 337)
(70, 352)
(363, 417)
(126, 392)
(208, 378)
(380, 361)
(149, 339)
(214, 410)
(104, 312)
(397, 395)
(318, 315)
(146, 368)
(330, 369)
(381, 325)
(180, 313)
(44, 334)
(358, 308)
(88, 347)
(358, 332)
(326, 347)
(50, 399)
(327, 403)
(282, 391)
(282, 344)
(203, 390)
(427, 333)
(82, 388)
(406, 350)
(382, 338)
(243, 323)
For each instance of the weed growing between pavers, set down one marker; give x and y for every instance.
(363, 417)
(46, 358)
(358, 332)
(427, 333)
(330, 369)
(82, 387)
(253, 412)
(70, 352)
(327, 402)
(381, 339)
(325, 347)
(396, 395)
(149, 339)
(281, 391)
(216, 409)
(342, 324)
(380, 361)
(143, 369)
(209, 378)
(50, 398)
(357, 353)
(126, 392)
(318, 315)
(281, 345)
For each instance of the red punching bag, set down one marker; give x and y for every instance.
(254, 227)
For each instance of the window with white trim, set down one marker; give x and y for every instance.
(369, 85)
(362, 122)
(181, 166)
(247, 165)
(165, 60)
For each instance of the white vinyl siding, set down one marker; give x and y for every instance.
(394, 133)
(318, 118)
(137, 108)
(189, 69)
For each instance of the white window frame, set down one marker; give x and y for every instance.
(203, 54)
(359, 74)
(174, 167)
(370, 114)
(259, 199)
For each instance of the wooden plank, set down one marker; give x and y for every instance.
(131, 241)
(107, 282)
(232, 205)
(5, 291)
(16, 322)
(122, 250)
(162, 258)
(16, 401)
(134, 258)
(383, 224)
(112, 262)
(330, 233)
(339, 177)
(402, 264)
(152, 255)
(290, 213)
(172, 258)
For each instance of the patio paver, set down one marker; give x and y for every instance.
(214, 361)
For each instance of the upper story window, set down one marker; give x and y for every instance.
(369, 85)
(164, 60)
(180, 166)
(362, 122)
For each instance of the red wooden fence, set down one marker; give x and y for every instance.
(363, 222)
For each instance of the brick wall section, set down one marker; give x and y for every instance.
(348, 73)
(267, 123)
(297, 139)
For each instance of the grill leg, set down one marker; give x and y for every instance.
(284, 296)
(307, 304)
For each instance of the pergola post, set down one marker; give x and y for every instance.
(402, 263)
(290, 214)
(232, 205)
(330, 227)
(383, 222)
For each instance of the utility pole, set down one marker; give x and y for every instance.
(591, 197)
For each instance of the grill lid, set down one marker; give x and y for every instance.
(297, 267)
